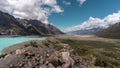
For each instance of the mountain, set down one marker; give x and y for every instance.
(85, 32)
(111, 32)
(12, 26)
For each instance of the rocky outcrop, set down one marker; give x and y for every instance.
(67, 59)
(19, 51)
(47, 54)
(12, 26)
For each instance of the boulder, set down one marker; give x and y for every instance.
(19, 51)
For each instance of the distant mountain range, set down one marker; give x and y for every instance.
(85, 32)
(12, 26)
(111, 32)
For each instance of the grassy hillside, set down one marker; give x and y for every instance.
(106, 54)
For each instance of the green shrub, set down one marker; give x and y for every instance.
(33, 44)
(58, 47)
(100, 62)
(2, 55)
(46, 44)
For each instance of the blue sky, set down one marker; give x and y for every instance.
(75, 14)
(68, 15)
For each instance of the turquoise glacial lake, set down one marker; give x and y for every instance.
(5, 42)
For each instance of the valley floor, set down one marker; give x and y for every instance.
(106, 51)
(64, 51)
(87, 37)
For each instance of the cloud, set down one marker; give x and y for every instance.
(81, 1)
(112, 18)
(97, 22)
(30, 9)
(66, 3)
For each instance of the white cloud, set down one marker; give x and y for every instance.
(112, 18)
(57, 9)
(81, 1)
(66, 3)
(30, 9)
(97, 22)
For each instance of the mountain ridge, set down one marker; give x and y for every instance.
(10, 25)
(111, 32)
(86, 31)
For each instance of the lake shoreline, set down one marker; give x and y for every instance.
(6, 42)
(14, 47)
(30, 36)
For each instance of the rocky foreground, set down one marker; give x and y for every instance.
(43, 54)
